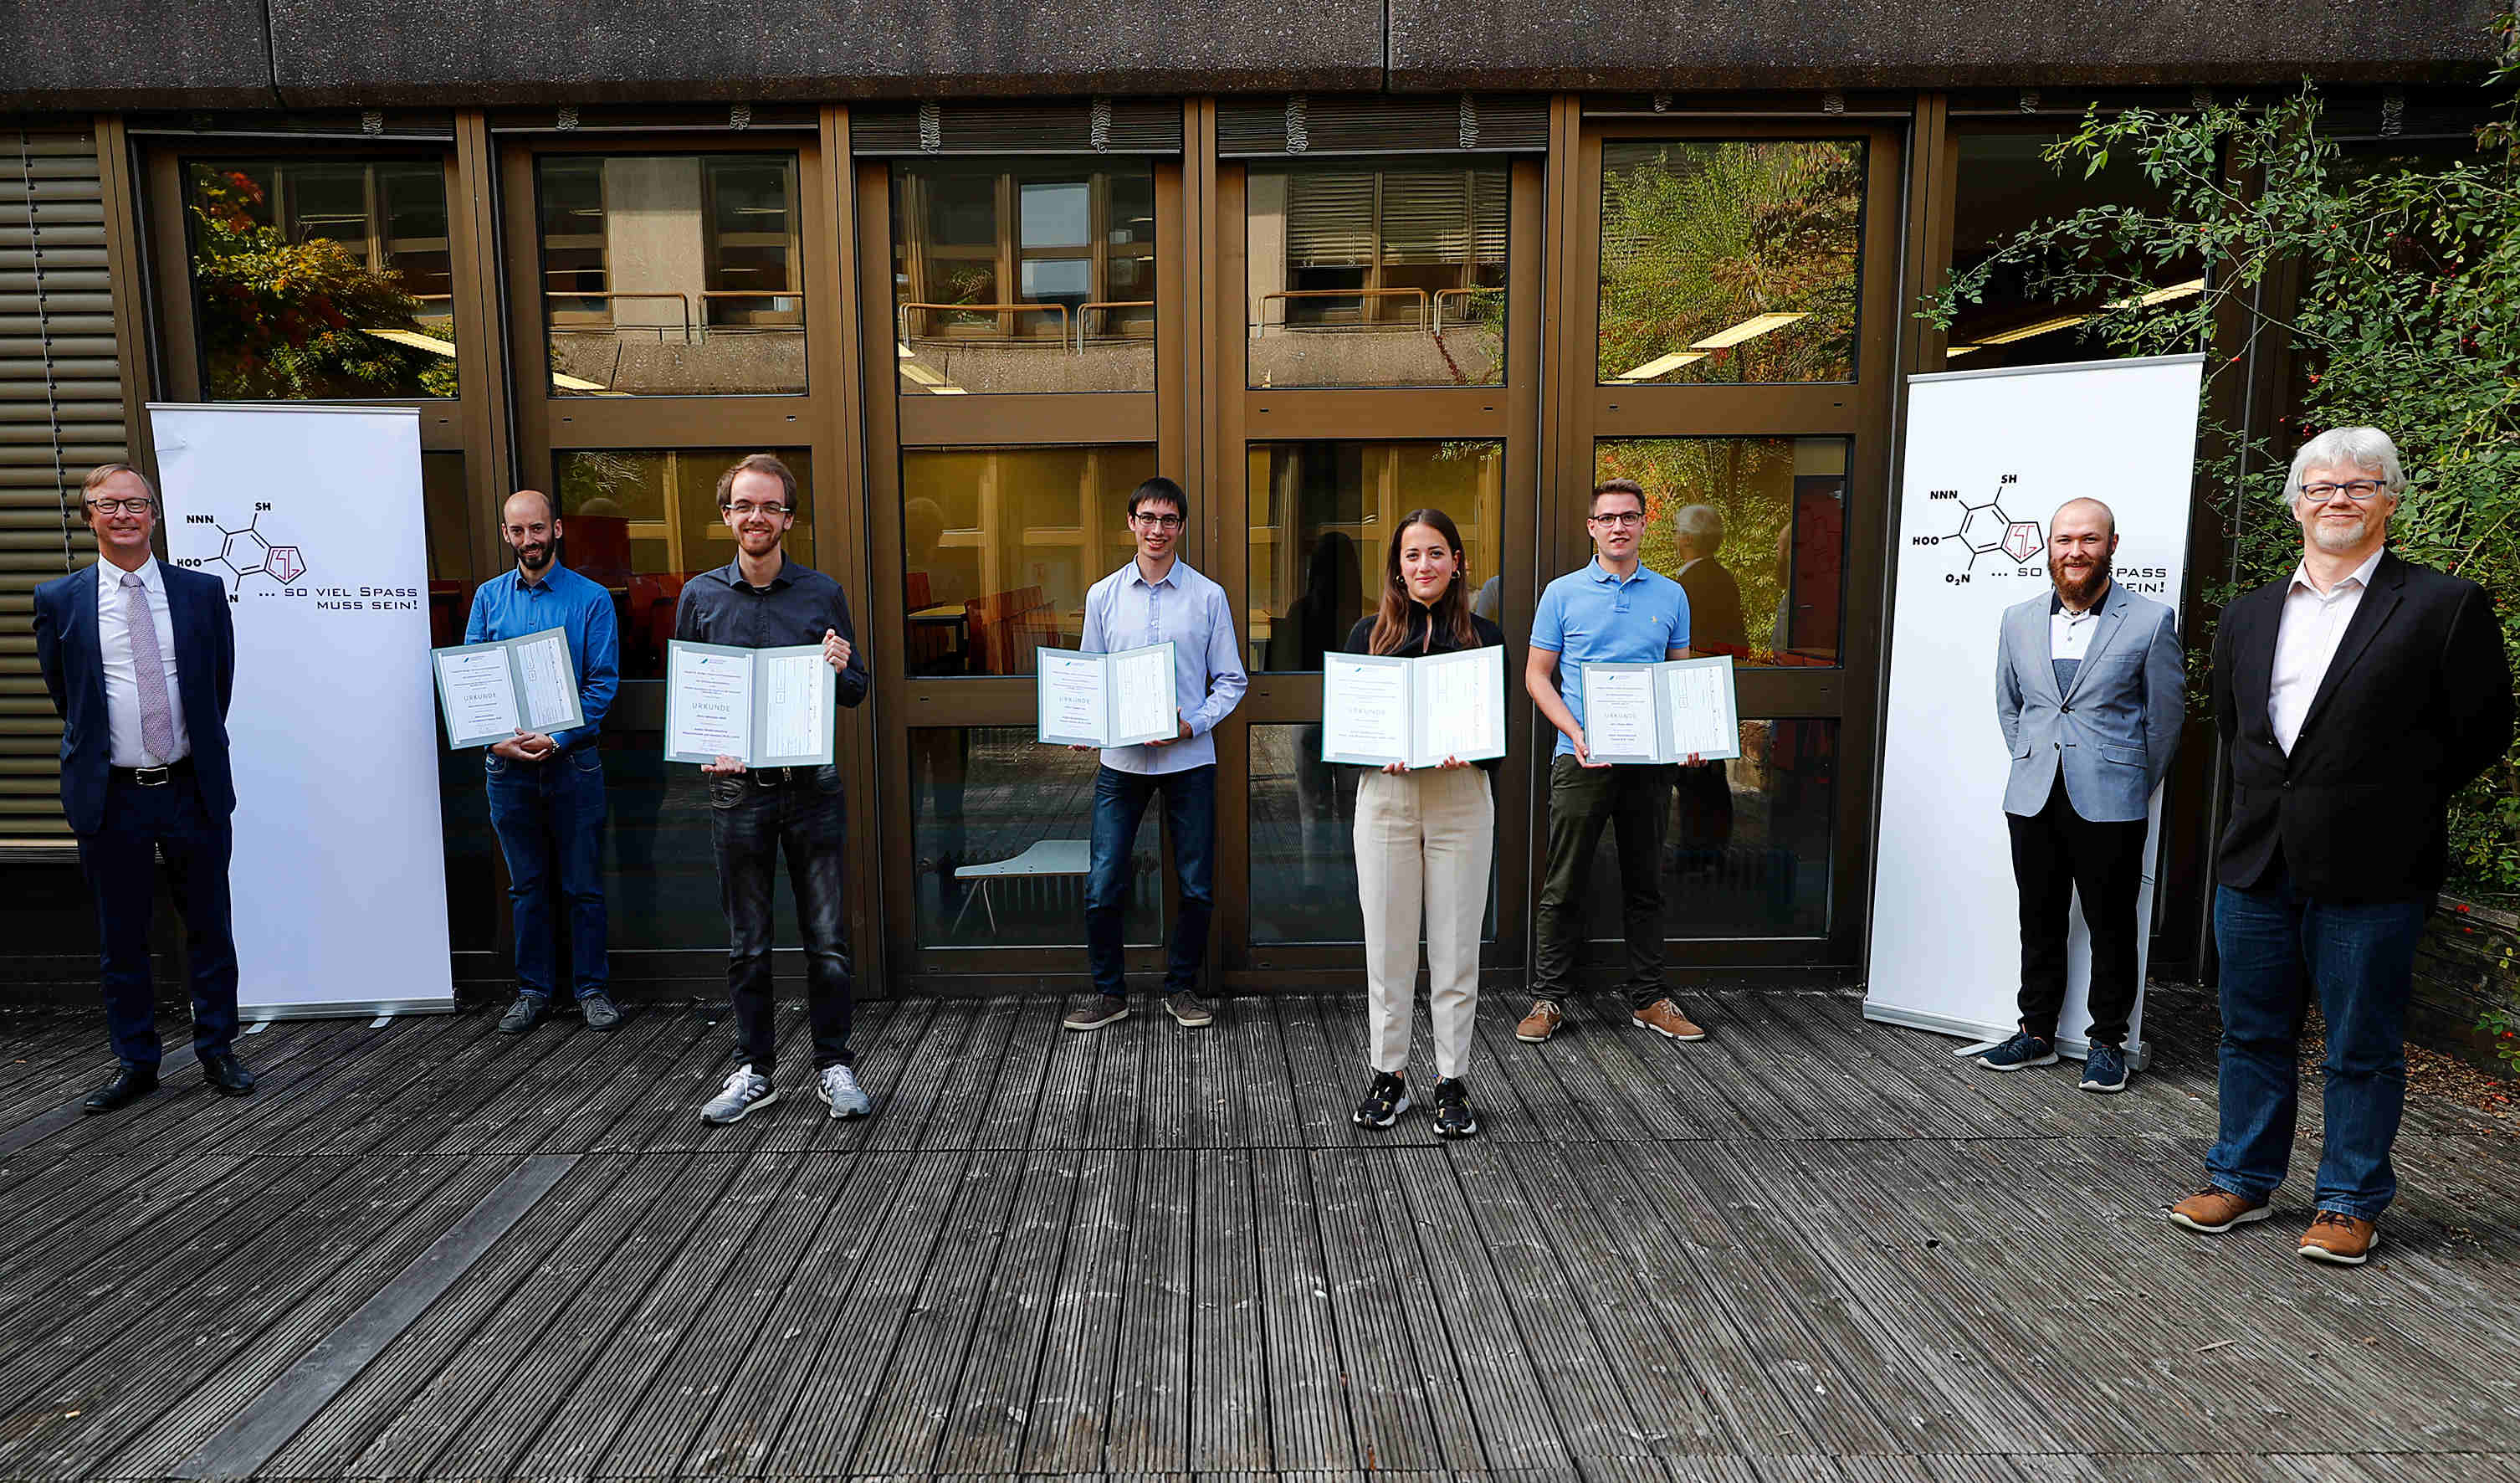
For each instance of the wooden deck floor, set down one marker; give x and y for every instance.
(1808, 1248)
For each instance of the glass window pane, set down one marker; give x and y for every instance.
(1322, 520)
(1303, 851)
(1747, 848)
(1729, 262)
(671, 275)
(321, 279)
(983, 797)
(1376, 276)
(643, 523)
(472, 853)
(1754, 528)
(1024, 275)
(2007, 185)
(999, 545)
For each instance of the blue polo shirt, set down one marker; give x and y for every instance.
(507, 606)
(1589, 617)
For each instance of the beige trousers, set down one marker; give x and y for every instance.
(1424, 841)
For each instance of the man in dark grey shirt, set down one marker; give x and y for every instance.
(762, 600)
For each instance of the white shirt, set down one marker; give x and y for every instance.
(121, 682)
(2069, 633)
(2306, 642)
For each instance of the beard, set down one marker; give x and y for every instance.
(2337, 540)
(2079, 592)
(534, 558)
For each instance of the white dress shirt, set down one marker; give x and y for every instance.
(2069, 633)
(2306, 640)
(121, 682)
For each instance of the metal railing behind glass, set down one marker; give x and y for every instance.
(1282, 296)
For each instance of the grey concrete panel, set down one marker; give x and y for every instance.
(71, 55)
(384, 52)
(1708, 44)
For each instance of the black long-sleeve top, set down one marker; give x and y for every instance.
(718, 607)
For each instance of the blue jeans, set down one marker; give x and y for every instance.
(142, 826)
(756, 817)
(1120, 800)
(2359, 958)
(548, 816)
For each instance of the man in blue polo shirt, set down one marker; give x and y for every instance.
(1614, 611)
(547, 791)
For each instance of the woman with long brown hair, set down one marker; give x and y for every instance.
(1423, 842)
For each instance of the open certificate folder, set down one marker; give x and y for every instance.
(491, 691)
(766, 708)
(1415, 710)
(1662, 713)
(1106, 700)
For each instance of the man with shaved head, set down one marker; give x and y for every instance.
(2089, 691)
(547, 791)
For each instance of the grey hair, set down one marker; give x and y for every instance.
(1701, 526)
(2366, 449)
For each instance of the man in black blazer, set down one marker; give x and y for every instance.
(2353, 698)
(140, 657)
(1715, 627)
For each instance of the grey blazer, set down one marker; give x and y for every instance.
(2114, 732)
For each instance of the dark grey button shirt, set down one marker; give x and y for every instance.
(798, 607)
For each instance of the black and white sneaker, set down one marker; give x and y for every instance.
(1453, 1117)
(745, 1090)
(1385, 1101)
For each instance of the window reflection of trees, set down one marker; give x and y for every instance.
(1781, 502)
(1707, 243)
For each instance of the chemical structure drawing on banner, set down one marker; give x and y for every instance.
(246, 552)
(1984, 528)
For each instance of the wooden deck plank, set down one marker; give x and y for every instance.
(984, 1431)
(1837, 1027)
(1118, 1119)
(1398, 1371)
(1070, 1403)
(1064, 1116)
(971, 1083)
(1149, 1426)
(1023, 1079)
(1229, 1424)
(1307, 1406)
(939, 1054)
(1319, 1081)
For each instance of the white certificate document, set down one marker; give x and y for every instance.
(1657, 714)
(1105, 700)
(1414, 710)
(796, 704)
(491, 691)
(766, 708)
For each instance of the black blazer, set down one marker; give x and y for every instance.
(67, 650)
(2416, 702)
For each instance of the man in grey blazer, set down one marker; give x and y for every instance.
(2090, 692)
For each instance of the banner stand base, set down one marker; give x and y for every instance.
(343, 1007)
(2138, 1053)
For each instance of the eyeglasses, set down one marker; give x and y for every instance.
(1158, 522)
(741, 511)
(121, 506)
(1618, 517)
(2358, 490)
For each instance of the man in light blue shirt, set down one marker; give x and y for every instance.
(547, 791)
(1154, 599)
(1616, 609)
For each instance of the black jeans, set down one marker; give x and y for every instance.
(2056, 853)
(753, 820)
(1632, 803)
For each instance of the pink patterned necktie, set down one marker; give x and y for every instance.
(148, 668)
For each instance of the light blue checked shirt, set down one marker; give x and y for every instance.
(1125, 611)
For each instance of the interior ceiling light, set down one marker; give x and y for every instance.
(1748, 329)
(1959, 350)
(2068, 321)
(1661, 366)
(2042, 327)
(2161, 295)
(417, 341)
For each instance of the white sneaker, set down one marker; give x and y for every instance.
(745, 1090)
(841, 1093)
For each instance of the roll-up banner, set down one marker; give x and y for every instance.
(1991, 454)
(312, 516)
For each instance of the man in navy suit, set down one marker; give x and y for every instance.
(140, 658)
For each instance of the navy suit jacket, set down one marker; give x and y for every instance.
(74, 663)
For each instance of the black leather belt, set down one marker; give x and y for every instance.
(153, 777)
(778, 777)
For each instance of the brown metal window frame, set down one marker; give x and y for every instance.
(894, 422)
(822, 419)
(1582, 413)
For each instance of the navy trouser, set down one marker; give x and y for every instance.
(2359, 958)
(548, 816)
(1120, 800)
(753, 820)
(142, 825)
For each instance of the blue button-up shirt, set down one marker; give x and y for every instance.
(508, 606)
(1125, 611)
(1591, 617)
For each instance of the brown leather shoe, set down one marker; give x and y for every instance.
(2213, 1210)
(2344, 1239)
(1664, 1017)
(1541, 1022)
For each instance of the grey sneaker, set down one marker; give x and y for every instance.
(1104, 1010)
(1189, 1008)
(841, 1092)
(524, 1014)
(745, 1090)
(600, 1012)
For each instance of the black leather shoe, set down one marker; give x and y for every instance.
(129, 1085)
(227, 1075)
